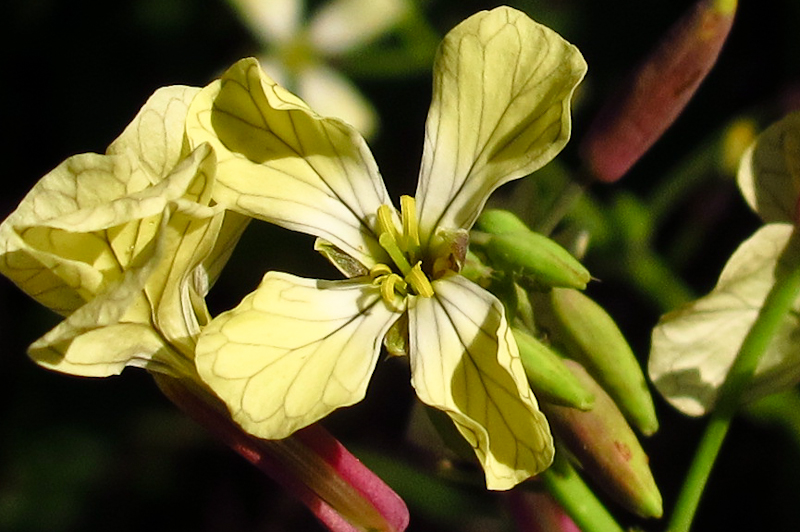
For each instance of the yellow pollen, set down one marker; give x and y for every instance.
(386, 223)
(378, 271)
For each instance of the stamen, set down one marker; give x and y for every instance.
(419, 281)
(408, 208)
(391, 286)
(385, 222)
(378, 271)
(389, 243)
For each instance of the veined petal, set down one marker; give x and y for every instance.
(281, 162)
(111, 331)
(84, 222)
(465, 362)
(500, 110)
(151, 313)
(293, 351)
(769, 173)
(693, 348)
(342, 25)
(155, 136)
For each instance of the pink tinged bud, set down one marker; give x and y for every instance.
(657, 93)
(607, 449)
(311, 464)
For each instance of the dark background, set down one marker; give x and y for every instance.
(113, 454)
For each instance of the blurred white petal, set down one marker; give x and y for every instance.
(342, 25)
(331, 94)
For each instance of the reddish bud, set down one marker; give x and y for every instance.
(658, 91)
(310, 464)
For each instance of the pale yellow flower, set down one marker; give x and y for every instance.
(296, 349)
(125, 245)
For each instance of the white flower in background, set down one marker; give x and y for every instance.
(299, 48)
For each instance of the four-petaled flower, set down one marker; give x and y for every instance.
(296, 349)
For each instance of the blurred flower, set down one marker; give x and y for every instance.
(299, 49)
(296, 349)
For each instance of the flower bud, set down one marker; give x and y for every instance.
(607, 449)
(311, 464)
(590, 336)
(658, 91)
(499, 221)
(533, 256)
(513, 247)
(549, 377)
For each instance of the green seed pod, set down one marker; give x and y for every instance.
(549, 377)
(607, 449)
(537, 257)
(590, 336)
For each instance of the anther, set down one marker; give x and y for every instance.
(419, 282)
(408, 208)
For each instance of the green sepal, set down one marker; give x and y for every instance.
(549, 377)
(590, 336)
(343, 262)
(607, 448)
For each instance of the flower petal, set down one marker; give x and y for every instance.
(293, 351)
(150, 314)
(500, 110)
(272, 21)
(694, 347)
(155, 136)
(465, 362)
(281, 162)
(769, 174)
(107, 334)
(84, 222)
(339, 26)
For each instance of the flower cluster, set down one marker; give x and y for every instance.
(125, 245)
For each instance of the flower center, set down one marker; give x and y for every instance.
(405, 275)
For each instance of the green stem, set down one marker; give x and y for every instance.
(777, 305)
(579, 501)
(655, 280)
